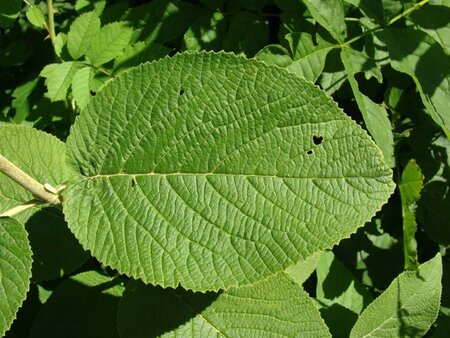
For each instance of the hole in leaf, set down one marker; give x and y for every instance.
(133, 182)
(317, 140)
(309, 152)
(181, 92)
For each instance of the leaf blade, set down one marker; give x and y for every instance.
(109, 42)
(81, 32)
(400, 309)
(132, 185)
(276, 307)
(15, 270)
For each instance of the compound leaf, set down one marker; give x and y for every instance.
(81, 32)
(210, 170)
(407, 308)
(15, 270)
(277, 307)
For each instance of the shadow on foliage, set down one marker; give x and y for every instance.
(139, 317)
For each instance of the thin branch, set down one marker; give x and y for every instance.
(28, 182)
(51, 21)
(19, 208)
(393, 20)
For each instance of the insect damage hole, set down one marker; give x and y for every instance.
(181, 92)
(317, 140)
(309, 152)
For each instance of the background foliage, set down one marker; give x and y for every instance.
(386, 63)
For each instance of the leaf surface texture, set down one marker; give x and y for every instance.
(211, 170)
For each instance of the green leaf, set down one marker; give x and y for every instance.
(15, 270)
(81, 33)
(407, 308)
(42, 156)
(247, 33)
(274, 55)
(201, 162)
(333, 75)
(138, 53)
(309, 58)
(330, 15)
(340, 296)
(35, 16)
(81, 84)
(375, 116)
(361, 62)
(418, 55)
(410, 186)
(109, 42)
(58, 77)
(277, 307)
(434, 20)
(84, 305)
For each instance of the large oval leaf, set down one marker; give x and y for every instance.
(276, 307)
(15, 270)
(211, 170)
(42, 156)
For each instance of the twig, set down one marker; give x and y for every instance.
(28, 182)
(51, 21)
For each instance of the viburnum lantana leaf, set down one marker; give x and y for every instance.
(210, 170)
(276, 307)
(42, 156)
(15, 270)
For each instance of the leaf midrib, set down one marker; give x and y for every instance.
(132, 175)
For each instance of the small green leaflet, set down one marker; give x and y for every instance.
(108, 42)
(81, 32)
(217, 175)
(58, 77)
